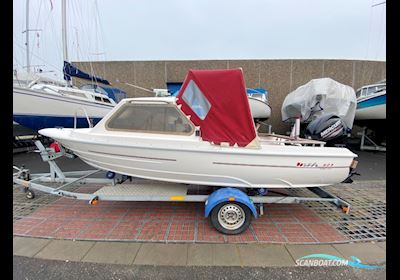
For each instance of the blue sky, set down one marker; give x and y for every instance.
(200, 29)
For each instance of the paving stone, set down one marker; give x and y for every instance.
(226, 254)
(298, 250)
(382, 244)
(28, 247)
(162, 254)
(200, 254)
(65, 250)
(112, 252)
(265, 255)
(367, 252)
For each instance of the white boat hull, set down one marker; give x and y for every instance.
(372, 107)
(377, 112)
(259, 109)
(192, 161)
(42, 109)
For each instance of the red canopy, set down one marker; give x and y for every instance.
(217, 101)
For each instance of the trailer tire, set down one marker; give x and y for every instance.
(231, 217)
(30, 194)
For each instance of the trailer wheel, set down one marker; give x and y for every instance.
(231, 217)
(30, 194)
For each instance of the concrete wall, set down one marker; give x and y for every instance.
(279, 77)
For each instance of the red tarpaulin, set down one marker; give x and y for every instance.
(217, 101)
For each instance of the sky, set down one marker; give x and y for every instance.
(110, 30)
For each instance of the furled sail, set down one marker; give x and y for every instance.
(71, 70)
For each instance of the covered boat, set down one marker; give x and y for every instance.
(205, 136)
(327, 106)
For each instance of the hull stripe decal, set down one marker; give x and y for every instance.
(165, 159)
(284, 166)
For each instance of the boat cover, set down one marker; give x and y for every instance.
(216, 101)
(320, 97)
(71, 70)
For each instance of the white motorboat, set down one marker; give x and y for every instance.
(259, 106)
(203, 137)
(371, 102)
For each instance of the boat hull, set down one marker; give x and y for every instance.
(372, 108)
(38, 109)
(198, 162)
(259, 109)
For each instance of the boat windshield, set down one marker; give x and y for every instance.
(150, 118)
(367, 91)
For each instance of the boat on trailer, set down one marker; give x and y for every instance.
(199, 138)
(205, 136)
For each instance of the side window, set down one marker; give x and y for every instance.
(196, 100)
(382, 87)
(150, 118)
(358, 93)
(97, 98)
(371, 90)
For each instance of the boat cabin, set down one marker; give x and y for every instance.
(75, 93)
(370, 90)
(150, 117)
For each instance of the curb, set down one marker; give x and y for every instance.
(191, 254)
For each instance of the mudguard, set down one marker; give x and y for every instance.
(228, 194)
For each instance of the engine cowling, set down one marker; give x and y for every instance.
(327, 128)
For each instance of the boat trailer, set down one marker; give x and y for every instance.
(230, 209)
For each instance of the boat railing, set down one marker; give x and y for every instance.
(86, 114)
(283, 139)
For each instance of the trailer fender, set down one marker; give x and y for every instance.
(228, 194)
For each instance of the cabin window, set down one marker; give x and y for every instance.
(106, 100)
(371, 90)
(97, 98)
(358, 93)
(150, 118)
(382, 87)
(196, 100)
(73, 93)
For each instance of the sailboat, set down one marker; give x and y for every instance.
(39, 102)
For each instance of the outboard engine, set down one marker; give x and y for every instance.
(328, 128)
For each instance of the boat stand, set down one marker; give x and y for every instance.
(367, 144)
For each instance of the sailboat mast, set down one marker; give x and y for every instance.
(64, 29)
(28, 63)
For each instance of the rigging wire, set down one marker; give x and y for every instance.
(34, 55)
(369, 29)
(381, 35)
